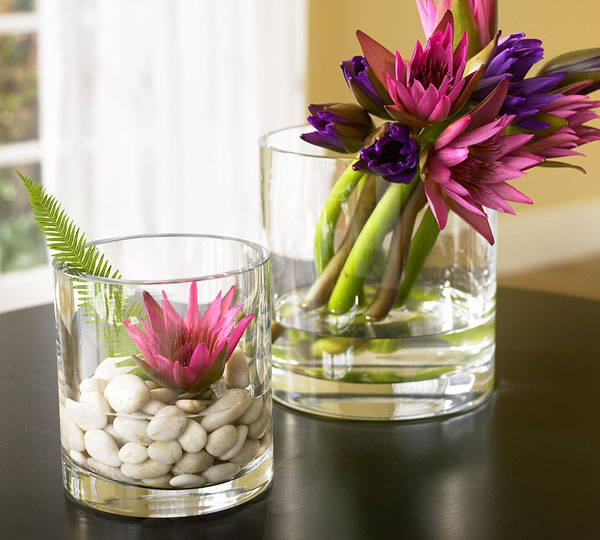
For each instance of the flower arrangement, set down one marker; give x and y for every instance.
(446, 129)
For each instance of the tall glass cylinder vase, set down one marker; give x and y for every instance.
(164, 376)
(431, 354)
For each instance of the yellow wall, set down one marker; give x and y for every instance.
(573, 24)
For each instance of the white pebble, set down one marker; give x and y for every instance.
(132, 430)
(221, 440)
(190, 406)
(153, 406)
(193, 463)
(159, 481)
(146, 469)
(236, 371)
(151, 384)
(74, 436)
(133, 453)
(257, 429)
(164, 394)
(247, 453)
(107, 369)
(253, 412)
(101, 446)
(167, 425)
(110, 429)
(85, 415)
(194, 437)
(187, 480)
(107, 470)
(242, 433)
(265, 442)
(218, 473)
(165, 452)
(127, 393)
(226, 410)
(95, 398)
(78, 457)
(92, 384)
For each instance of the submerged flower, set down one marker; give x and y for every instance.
(341, 127)
(431, 86)
(573, 111)
(468, 166)
(187, 354)
(583, 65)
(368, 91)
(483, 13)
(393, 154)
(512, 59)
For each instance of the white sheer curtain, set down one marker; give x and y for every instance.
(151, 109)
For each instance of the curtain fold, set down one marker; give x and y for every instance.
(151, 109)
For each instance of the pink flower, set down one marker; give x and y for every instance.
(187, 354)
(574, 110)
(432, 85)
(468, 165)
(483, 11)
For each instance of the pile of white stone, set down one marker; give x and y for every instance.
(130, 430)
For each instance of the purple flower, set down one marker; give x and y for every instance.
(365, 86)
(341, 127)
(393, 154)
(513, 59)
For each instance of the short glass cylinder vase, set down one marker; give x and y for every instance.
(431, 354)
(164, 376)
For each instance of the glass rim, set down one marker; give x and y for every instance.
(263, 256)
(264, 139)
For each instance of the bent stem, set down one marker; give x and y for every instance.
(362, 255)
(401, 241)
(324, 233)
(322, 287)
(420, 248)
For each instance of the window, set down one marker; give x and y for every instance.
(21, 243)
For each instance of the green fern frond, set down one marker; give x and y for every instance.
(102, 304)
(63, 237)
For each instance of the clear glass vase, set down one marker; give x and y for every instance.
(431, 355)
(164, 384)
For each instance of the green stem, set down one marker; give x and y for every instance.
(325, 230)
(420, 248)
(323, 285)
(390, 283)
(362, 256)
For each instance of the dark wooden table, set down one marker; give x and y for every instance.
(526, 465)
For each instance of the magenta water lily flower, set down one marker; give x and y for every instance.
(572, 110)
(468, 166)
(482, 11)
(431, 86)
(187, 354)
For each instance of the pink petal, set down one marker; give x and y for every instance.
(211, 316)
(452, 156)
(171, 317)
(509, 193)
(441, 110)
(227, 300)
(200, 359)
(451, 132)
(436, 203)
(478, 222)
(467, 205)
(437, 171)
(236, 335)
(192, 316)
(428, 102)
